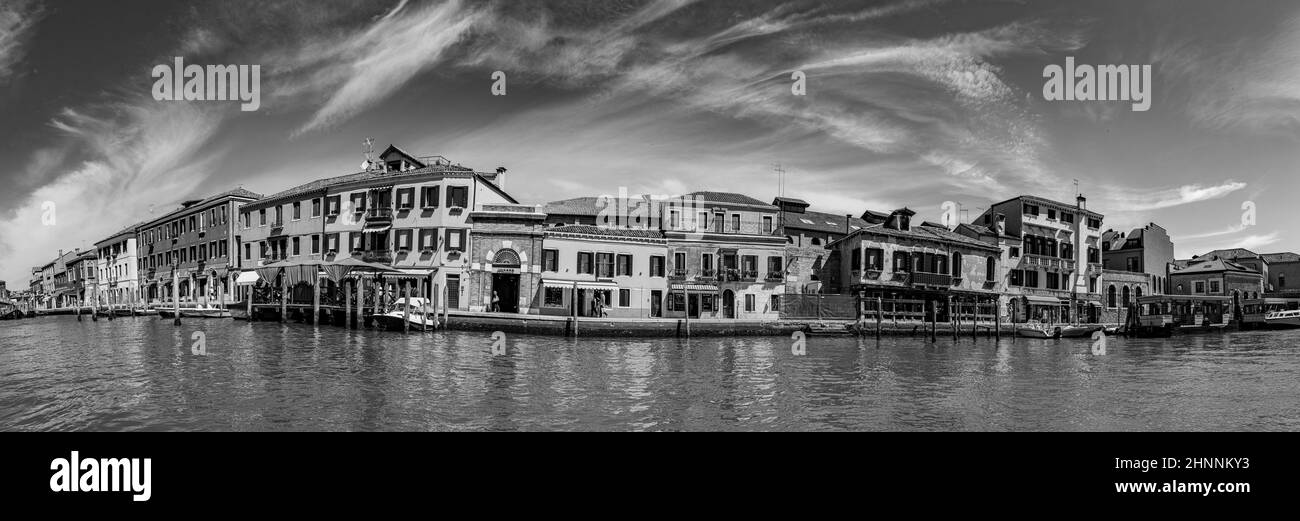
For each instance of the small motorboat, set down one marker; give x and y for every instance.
(193, 310)
(1033, 330)
(1078, 331)
(1289, 319)
(414, 310)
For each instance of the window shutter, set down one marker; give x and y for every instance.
(424, 200)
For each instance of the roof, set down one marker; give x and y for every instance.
(924, 233)
(1280, 257)
(821, 222)
(129, 230)
(789, 200)
(729, 198)
(1212, 266)
(1229, 254)
(321, 185)
(237, 192)
(1044, 200)
(586, 229)
(575, 206)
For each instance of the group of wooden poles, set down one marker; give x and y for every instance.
(932, 313)
(405, 285)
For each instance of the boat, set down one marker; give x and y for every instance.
(193, 310)
(1254, 312)
(1037, 330)
(414, 310)
(1079, 330)
(1289, 319)
(1163, 315)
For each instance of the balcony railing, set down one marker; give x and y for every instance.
(775, 276)
(708, 274)
(1032, 260)
(380, 256)
(677, 274)
(379, 214)
(277, 223)
(931, 279)
(747, 275)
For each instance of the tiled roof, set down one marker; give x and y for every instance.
(575, 206)
(322, 184)
(585, 229)
(820, 222)
(1281, 257)
(1230, 254)
(926, 233)
(791, 200)
(729, 197)
(1213, 265)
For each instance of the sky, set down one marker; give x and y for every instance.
(907, 103)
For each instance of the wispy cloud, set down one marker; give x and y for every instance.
(1145, 200)
(18, 19)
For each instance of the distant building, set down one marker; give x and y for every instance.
(1057, 273)
(1279, 272)
(197, 244)
(82, 272)
(117, 278)
(1212, 275)
(810, 263)
(4, 290)
(1143, 250)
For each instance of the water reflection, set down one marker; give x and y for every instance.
(140, 373)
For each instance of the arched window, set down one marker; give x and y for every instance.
(990, 269)
(1126, 302)
(956, 264)
(506, 257)
(1110, 296)
(1137, 294)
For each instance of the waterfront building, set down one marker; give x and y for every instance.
(1144, 250)
(1214, 276)
(4, 290)
(622, 269)
(506, 259)
(1121, 291)
(1057, 274)
(807, 234)
(402, 211)
(63, 294)
(196, 243)
(117, 281)
(1276, 269)
(82, 272)
(47, 284)
(896, 260)
(1009, 253)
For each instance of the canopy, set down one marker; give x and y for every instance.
(591, 284)
(695, 287)
(247, 278)
(268, 273)
(412, 274)
(1043, 301)
(294, 275)
(554, 283)
(358, 265)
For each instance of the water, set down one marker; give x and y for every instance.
(141, 373)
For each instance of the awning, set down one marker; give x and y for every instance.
(411, 274)
(1043, 301)
(695, 287)
(376, 228)
(590, 284)
(552, 283)
(247, 278)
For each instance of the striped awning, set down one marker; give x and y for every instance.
(376, 228)
(695, 287)
(247, 278)
(411, 274)
(593, 284)
(294, 275)
(553, 283)
(1043, 301)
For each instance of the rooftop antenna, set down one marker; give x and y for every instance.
(780, 176)
(1076, 188)
(369, 149)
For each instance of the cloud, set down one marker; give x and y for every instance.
(1121, 197)
(18, 19)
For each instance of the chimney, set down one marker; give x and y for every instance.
(501, 177)
(848, 218)
(1081, 202)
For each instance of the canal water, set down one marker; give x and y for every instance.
(145, 374)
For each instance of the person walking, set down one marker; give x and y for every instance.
(496, 302)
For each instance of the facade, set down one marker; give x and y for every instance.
(1057, 274)
(1143, 250)
(1217, 277)
(811, 265)
(404, 211)
(64, 293)
(896, 260)
(1009, 253)
(506, 259)
(117, 278)
(1283, 274)
(1121, 292)
(196, 244)
(83, 272)
(610, 272)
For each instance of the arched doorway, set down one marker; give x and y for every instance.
(728, 304)
(505, 282)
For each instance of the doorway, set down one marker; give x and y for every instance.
(728, 304)
(453, 291)
(505, 286)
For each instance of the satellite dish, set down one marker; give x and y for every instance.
(365, 165)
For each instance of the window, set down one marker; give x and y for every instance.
(605, 265)
(223, 215)
(458, 196)
(657, 265)
(1214, 286)
(1092, 284)
(1053, 280)
(1031, 279)
(1094, 255)
(749, 302)
(990, 269)
(679, 263)
(404, 238)
(333, 204)
(749, 266)
(1281, 280)
(875, 259)
(1031, 209)
(624, 266)
(1126, 295)
(956, 265)
(1199, 287)
(775, 266)
(706, 261)
(718, 222)
(902, 262)
(315, 245)
(735, 223)
(624, 298)
(703, 221)
(455, 240)
(674, 220)
(428, 239)
(356, 241)
(1094, 223)
(774, 303)
(429, 196)
(297, 249)
(1051, 214)
(585, 263)
(315, 208)
(332, 243)
(767, 224)
(1016, 278)
(1110, 296)
(553, 297)
(358, 201)
(297, 210)
(1067, 217)
(261, 217)
(405, 198)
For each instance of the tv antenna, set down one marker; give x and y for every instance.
(780, 176)
(369, 153)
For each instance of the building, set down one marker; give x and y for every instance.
(1210, 275)
(82, 272)
(1143, 250)
(622, 269)
(1009, 248)
(506, 259)
(64, 293)
(807, 234)
(117, 281)
(1057, 273)
(196, 245)
(403, 211)
(896, 260)
(1283, 274)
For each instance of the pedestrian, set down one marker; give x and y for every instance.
(496, 302)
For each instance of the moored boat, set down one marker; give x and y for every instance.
(1289, 319)
(1079, 330)
(413, 310)
(1036, 330)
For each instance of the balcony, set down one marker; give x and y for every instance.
(379, 215)
(1043, 261)
(749, 275)
(708, 274)
(677, 274)
(277, 222)
(931, 279)
(378, 256)
(775, 276)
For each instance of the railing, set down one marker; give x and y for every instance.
(379, 214)
(677, 274)
(931, 279)
(277, 223)
(708, 274)
(749, 275)
(775, 276)
(1045, 261)
(380, 256)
